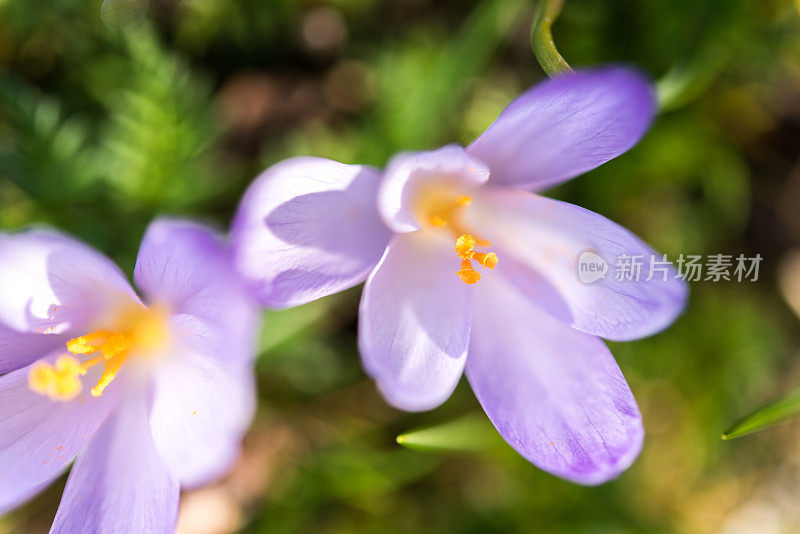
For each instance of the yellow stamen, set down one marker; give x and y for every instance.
(443, 211)
(109, 373)
(88, 364)
(42, 377)
(440, 205)
(87, 344)
(140, 331)
(463, 201)
(115, 345)
(437, 220)
(113, 348)
(60, 382)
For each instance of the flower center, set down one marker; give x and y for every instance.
(136, 331)
(442, 206)
(465, 249)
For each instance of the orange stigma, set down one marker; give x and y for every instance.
(465, 249)
(441, 206)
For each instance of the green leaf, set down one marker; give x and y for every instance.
(542, 39)
(413, 115)
(123, 13)
(44, 152)
(280, 326)
(159, 143)
(783, 409)
(471, 433)
(691, 76)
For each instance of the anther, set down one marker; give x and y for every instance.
(145, 332)
(59, 381)
(109, 373)
(87, 344)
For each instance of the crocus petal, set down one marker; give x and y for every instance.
(10, 498)
(566, 126)
(120, 483)
(407, 172)
(18, 349)
(51, 285)
(555, 394)
(415, 321)
(200, 412)
(307, 228)
(551, 236)
(39, 437)
(187, 267)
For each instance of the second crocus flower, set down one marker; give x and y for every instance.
(465, 270)
(151, 396)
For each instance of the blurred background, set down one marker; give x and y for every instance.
(114, 112)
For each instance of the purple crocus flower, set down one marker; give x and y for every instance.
(150, 398)
(465, 269)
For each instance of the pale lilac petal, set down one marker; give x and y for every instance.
(10, 498)
(407, 173)
(51, 286)
(19, 349)
(308, 228)
(414, 322)
(187, 267)
(203, 390)
(550, 236)
(39, 437)
(566, 126)
(120, 483)
(201, 409)
(555, 394)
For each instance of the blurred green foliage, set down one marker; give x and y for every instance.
(110, 117)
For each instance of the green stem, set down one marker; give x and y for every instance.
(542, 39)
